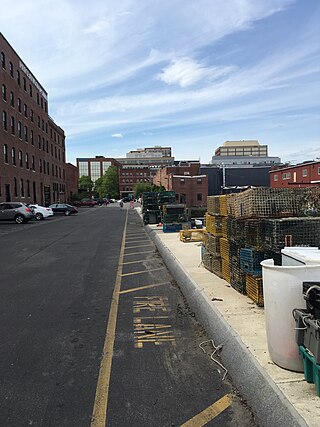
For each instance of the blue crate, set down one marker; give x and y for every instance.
(250, 261)
(171, 227)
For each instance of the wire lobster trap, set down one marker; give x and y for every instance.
(237, 276)
(212, 243)
(213, 205)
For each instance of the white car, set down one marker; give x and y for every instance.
(41, 212)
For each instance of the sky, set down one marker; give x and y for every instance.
(190, 74)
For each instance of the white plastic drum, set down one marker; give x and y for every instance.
(282, 292)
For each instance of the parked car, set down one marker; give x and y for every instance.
(41, 212)
(100, 201)
(63, 208)
(15, 211)
(85, 202)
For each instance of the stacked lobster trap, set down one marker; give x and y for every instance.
(245, 228)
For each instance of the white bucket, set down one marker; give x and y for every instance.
(282, 292)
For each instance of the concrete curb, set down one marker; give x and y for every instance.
(268, 403)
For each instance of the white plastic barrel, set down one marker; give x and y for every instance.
(282, 292)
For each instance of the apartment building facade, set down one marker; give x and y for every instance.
(32, 145)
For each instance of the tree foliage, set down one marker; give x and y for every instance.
(142, 187)
(85, 183)
(108, 184)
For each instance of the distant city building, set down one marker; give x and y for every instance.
(150, 159)
(148, 152)
(229, 179)
(95, 167)
(246, 152)
(306, 174)
(184, 179)
(33, 167)
(129, 176)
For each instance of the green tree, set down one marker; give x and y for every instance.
(99, 187)
(110, 182)
(85, 183)
(140, 188)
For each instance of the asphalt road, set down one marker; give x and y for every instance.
(95, 331)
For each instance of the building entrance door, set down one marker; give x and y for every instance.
(7, 191)
(47, 198)
(34, 192)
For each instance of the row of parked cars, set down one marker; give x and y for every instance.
(21, 212)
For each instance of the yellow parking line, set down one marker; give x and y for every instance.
(210, 413)
(143, 271)
(138, 241)
(143, 287)
(133, 262)
(138, 253)
(99, 414)
(140, 246)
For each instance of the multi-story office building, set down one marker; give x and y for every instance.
(148, 152)
(95, 167)
(32, 144)
(246, 152)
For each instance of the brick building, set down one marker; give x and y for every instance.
(129, 176)
(72, 176)
(302, 175)
(32, 145)
(184, 178)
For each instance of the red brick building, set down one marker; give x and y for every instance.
(303, 175)
(72, 176)
(32, 145)
(189, 185)
(129, 176)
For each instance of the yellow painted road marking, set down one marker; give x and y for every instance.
(141, 272)
(140, 246)
(133, 262)
(138, 253)
(99, 414)
(210, 413)
(142, 288)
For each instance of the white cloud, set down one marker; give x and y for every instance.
(186, 72)
(117, 135)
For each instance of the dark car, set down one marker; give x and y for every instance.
(63, 208)
(16, 211)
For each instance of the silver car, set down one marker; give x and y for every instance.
(15, 211)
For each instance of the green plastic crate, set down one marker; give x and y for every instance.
(310, 368)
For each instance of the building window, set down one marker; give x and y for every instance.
(31, 114)
(40, 165)
(5, 153)
(21, 188)
(27, 161)
(4, 92)
(4, 120)
(83, 169)
(12, 125)
(30, 90)
(12, 99)
(3, 60)
(199, 180)
(20, 158)
(305, 172)
(199, 197)
(286, 175)
(15, 188)
(318, 170)
(32, 163)
(24, 83)
(13, 156)
(28, 188)
(31, 137)
(19, 105)
(25, 110)
(182, 180)
(275, 177)
(38, 101)
(25, 132)
(39, 122)
(19, 130)
(18, 78)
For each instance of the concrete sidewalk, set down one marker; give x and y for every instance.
(276, 396)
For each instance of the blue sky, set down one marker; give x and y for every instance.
(189, 74)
